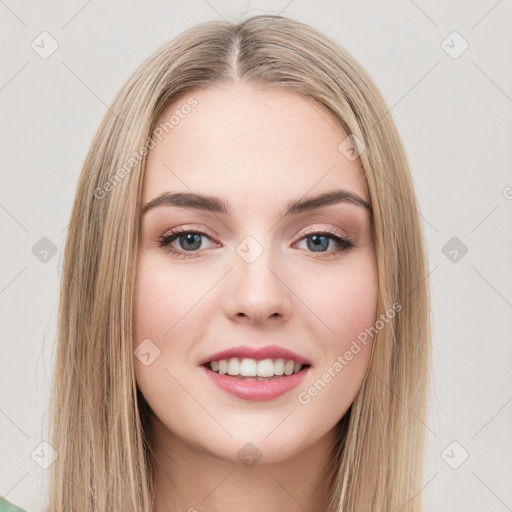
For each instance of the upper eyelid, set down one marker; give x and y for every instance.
(333, 232)
(330, 230)
(189, 228)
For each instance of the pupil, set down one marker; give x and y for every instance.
(316, 242)
(192, 238)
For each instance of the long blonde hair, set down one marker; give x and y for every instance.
(98, 415)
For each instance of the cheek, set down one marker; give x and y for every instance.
(162, 305)
(163, 313)
(163, 299)
(347, 304)
(355, 308)
(345, 300)
(357, 312)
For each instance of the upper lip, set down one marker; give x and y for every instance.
(259, 353)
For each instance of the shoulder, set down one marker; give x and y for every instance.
(6, 506)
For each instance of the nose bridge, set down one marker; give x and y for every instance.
(259, 291)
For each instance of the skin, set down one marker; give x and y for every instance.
(258, 148)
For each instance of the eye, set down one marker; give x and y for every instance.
(189, 242)
(318, 241)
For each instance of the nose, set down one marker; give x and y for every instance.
(258, 292)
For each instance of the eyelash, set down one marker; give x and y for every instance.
(344, 244)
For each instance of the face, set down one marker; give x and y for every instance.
(211, 279)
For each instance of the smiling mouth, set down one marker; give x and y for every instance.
(208, 366)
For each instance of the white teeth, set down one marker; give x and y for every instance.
(265, 368)
(223, 366)
(288, 367)
(248, 367)
(234, 366)
(279, 366)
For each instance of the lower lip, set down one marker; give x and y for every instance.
(253, 389)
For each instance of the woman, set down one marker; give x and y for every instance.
(244, 317)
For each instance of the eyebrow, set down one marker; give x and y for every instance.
(218, 205)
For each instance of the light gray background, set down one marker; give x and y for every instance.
(455, 117)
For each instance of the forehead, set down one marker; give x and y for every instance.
(246, 141)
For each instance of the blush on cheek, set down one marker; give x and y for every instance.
(158, 299)
(347, 310)
(353, 341)
(167, 305)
